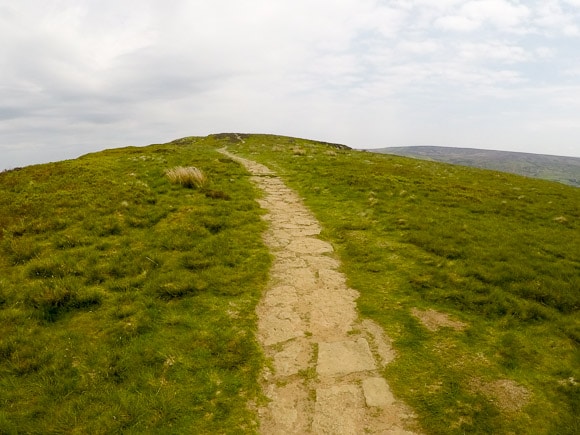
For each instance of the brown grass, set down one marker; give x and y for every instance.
(506, 394)
(189, 176)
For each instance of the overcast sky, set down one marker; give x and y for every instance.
(78, 75)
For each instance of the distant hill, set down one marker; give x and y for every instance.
(556, 168)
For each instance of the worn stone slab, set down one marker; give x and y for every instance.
(329, 413)
(381, 342)
(281, 295)
(302, 279)
(321, 262)
(331, 317)
(279, 324)
(293, 357)
(286, 409)
(309, 246)
(344, 357)
(377, 392)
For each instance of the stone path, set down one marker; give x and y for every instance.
(324, 376)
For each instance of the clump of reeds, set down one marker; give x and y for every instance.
(189, 176)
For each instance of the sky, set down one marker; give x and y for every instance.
(78, 76)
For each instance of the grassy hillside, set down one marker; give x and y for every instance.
(127, 301)
(497, 252)
(555, 168)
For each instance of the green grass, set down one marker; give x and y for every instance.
(497, 251)
(127, 302)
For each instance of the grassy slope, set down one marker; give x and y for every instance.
(126, 302)
(497, 251)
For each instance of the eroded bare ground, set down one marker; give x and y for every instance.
(325, 372)
(434, 320)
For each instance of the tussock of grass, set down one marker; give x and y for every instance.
(188, 176)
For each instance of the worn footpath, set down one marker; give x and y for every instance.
(324, 376)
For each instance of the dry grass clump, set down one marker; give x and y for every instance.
(561, 219)
(189, 176)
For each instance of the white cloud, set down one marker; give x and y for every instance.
(552, 17)
(571, 30)
(495, 51)
(77, 74)
(457, 23)
(502, 14)
(423, 47)
(471, 15)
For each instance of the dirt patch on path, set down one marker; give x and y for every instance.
(326, 363)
